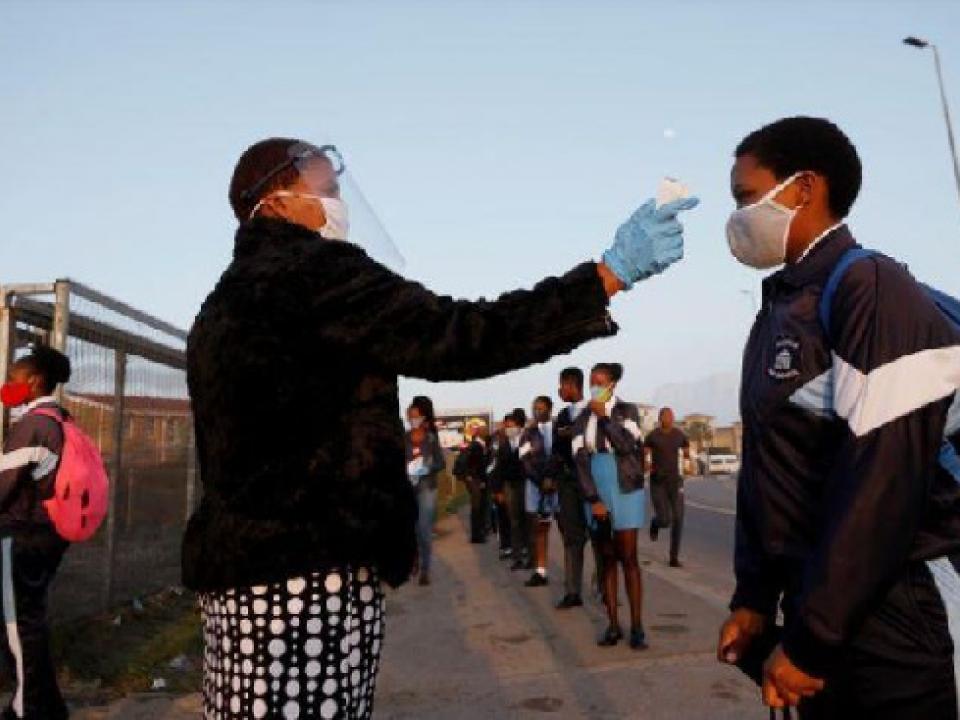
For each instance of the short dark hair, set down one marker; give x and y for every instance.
(795, 144)
(51, 365)
(613, 370)
(254, 165)
(545, 400)
(573, 374)
(519, 416)
(424, 406)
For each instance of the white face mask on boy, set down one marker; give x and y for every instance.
(757, 234)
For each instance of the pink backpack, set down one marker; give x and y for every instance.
(81, 488)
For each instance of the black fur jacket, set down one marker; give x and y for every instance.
(292, 367)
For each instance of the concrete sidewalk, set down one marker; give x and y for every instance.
(477, 644)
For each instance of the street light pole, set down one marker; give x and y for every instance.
(922, 44)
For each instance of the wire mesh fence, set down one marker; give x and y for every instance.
(128, 392)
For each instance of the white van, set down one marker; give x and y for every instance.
(722, 464)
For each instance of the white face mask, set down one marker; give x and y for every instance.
(757, 234)
(416, 423)
(337, 226)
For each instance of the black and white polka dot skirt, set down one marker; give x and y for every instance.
(306, 648)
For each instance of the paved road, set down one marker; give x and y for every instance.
(707, 549)
(477, 644)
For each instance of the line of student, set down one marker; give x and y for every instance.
(585, 467)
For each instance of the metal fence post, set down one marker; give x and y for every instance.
(61, 321)
(119, 383)
(7, 334)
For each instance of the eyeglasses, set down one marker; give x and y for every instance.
(298, 153)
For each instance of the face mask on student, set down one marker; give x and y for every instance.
(757, 234)
(416, 423)
(512, 432)
(14, 394)
(601, 393)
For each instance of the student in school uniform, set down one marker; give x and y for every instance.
(498, 495)
(30, 548)
(540, 496)
(511, 471)
(475, 460)
(608, 451)
(570, 516)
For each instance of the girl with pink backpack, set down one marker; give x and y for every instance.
(52, 491)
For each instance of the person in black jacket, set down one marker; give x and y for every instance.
(608, 449)
(292, 366)
(498, 493)
(513, 481)
(30, 547)
(570, 517)
(472, 464)
(847, 521)
(425, 461)
(540, 487)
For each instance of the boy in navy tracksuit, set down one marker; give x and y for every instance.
(30, 548)
(846, 520)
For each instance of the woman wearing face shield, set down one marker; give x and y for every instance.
(847, 521)
(293, 363)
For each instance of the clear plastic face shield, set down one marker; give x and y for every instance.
(348, 214)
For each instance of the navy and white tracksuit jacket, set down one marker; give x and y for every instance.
(844, 514)
(30, 552)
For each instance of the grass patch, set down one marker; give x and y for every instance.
(102, 658)
(455, 503)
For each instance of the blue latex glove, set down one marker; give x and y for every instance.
(648, 242)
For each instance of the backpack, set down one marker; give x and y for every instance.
(947, 304)
(81, 488)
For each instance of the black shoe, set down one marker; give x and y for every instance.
(424, 580)
(537, 580)
(518, 565)
(674, 563)
(654, 531)
(638, 639)
(506, 554)
(570, 601)
(611, 636)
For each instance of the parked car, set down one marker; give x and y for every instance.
(720, 464)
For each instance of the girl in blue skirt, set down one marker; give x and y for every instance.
(608, 451)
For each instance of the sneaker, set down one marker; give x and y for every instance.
(675, 563)
(570, 601)
(506, 554)
(518, 565)
(638, 639)
(537, 580)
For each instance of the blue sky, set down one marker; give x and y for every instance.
(498, 141)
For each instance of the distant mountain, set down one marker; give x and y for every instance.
(716, 395)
